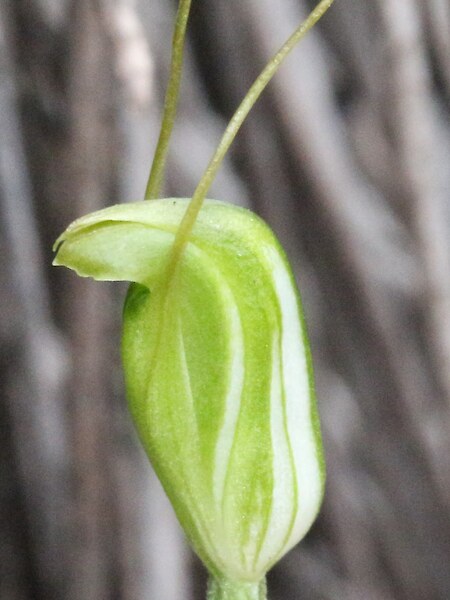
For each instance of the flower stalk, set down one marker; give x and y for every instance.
(229, 590)
(238, 119)
(155, 180)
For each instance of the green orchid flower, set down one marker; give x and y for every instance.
(216, 359)
(218, 374)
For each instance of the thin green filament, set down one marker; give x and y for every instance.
(233, 127)
(171, 102)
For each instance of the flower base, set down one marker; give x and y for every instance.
(224, 589)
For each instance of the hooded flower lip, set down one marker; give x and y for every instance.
(217, 372)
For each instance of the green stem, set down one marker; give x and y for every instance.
(238, 118)
(170, 103)
(222, 589)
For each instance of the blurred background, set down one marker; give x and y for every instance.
(347, 156)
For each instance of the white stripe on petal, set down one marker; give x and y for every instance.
(233, 398)
(283, 494)
(297, 398)
(190, 416)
